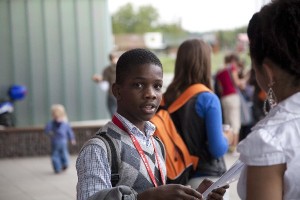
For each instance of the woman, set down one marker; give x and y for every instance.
(272, 151)
(199, 121)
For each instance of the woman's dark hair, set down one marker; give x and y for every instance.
(129, 60)
(193, 65)
(274, 33)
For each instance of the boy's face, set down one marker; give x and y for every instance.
(140, 94)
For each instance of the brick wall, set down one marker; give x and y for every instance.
(26, 142)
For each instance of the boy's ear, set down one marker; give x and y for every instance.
(116, 91)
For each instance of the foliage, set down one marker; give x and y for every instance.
(127, 20)
(175, 29)
(144, 19)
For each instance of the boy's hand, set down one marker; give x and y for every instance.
(206, 183)
(170, 192)
(216, 193)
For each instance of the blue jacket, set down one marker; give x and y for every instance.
(59, 131)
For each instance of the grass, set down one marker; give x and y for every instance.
(217, 61)
(168, 63)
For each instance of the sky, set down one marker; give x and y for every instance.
(200, 15)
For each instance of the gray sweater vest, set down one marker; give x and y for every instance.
(131, 168)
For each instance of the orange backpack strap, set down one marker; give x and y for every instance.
(186, 95)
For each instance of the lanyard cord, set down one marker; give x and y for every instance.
(118, 123)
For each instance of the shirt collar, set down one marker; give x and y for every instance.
(149, 127)
(286, 110)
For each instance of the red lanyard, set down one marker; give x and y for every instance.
(117, 122)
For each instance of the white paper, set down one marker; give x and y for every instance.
(228, 177)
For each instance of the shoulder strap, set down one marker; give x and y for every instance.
(186, 95)
(112, 155)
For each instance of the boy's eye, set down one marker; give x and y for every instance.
(158, 87)
(138, 85)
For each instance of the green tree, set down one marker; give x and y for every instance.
(123, 20)
(173, 28)
(147, 18)
(144, 19)
(127, 20)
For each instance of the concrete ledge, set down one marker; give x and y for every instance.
(31, 141)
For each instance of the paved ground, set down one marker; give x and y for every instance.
(33, 179)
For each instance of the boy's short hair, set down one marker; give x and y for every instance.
(133, 58)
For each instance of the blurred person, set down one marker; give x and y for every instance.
(271, 152)
(141, 163)
(199, 121)
(106, 80)
(246, 96)
(228, 82)
(256, 96)
(60, 132)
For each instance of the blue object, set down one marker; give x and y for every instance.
(17, 92)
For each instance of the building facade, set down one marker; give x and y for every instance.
(53, 47)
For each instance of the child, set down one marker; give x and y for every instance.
(59, 130)
(141, 164)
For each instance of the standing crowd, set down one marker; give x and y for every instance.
(253, 114)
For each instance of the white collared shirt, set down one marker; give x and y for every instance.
(275, 140)
(141, 137)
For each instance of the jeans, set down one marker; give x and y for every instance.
(60, 156)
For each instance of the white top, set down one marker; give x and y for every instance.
(275, 140)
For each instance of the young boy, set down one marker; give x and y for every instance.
(60, 132)
(141, 165)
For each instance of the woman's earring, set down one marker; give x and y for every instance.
(271, 100)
